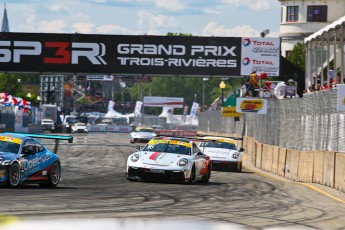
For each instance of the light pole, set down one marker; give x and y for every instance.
(222, 87)
(203, 92)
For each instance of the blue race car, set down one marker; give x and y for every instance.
(23, 159)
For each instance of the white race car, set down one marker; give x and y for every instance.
(79, 127)
(223, 153)
(169, 159)
(142, 134)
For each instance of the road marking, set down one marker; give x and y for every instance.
(301, 183)
(322, 192)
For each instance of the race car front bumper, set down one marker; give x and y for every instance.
(225, 165)
(136, 173)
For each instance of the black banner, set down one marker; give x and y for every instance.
(119, 54)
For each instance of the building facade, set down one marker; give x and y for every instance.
(302, 18)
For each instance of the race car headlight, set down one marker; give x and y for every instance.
(135, 157)
(182, 162)
(235, 155)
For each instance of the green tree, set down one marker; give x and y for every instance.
(297, 56)
(9, 84)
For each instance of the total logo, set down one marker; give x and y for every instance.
(246, 42)
(245, 61)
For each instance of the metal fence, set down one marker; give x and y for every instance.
(308, 123)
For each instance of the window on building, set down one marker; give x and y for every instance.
(287, 53)
(317, 14)
(292, 14)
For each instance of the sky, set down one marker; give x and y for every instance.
(219, 18)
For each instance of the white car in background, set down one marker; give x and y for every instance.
(48, 124)
(79, 127)
(224, 154)
(142, 134)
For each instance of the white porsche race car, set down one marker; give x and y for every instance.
(223, 153)
(169, 159)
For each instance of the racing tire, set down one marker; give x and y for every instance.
(208, 175)
(192, 177)
(239, 168)
(129, 179)
(13, 175)
(54, 176)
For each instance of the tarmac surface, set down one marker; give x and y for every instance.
(93, 187)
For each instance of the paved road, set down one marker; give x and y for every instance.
(93, 186)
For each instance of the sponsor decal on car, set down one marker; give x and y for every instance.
(11, 139)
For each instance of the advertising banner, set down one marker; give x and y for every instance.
(120, 54)
(251, 105)
(341, 97)
(137, 110)
(261, 55)
(169, 102)
(230, 112)
(99, 77)
(194, 109)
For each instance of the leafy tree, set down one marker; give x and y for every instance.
(297, 56)
(9, 84)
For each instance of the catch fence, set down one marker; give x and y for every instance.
(308, 123)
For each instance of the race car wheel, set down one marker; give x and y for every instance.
(13, 175)
(130, 179)
(239, 167)
(208, 173)
(54, 175)
(192, 176)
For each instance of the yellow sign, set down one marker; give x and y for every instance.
(230, 112)
(251, 105)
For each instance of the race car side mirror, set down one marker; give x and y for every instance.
(138, 148)
(241, 150)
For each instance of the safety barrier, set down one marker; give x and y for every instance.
(321, 167)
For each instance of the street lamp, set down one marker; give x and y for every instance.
(203, 92)
(222, 86)
(39, 100)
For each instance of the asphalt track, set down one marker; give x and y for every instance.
(93, 187)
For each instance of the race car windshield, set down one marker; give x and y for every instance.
(220, 145)
(169, 148)
(9, 147)
(146, 130)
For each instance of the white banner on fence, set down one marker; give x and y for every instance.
(341, 97)
(169, 102)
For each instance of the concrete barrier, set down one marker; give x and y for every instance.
(264, 156)
(306, 166)
(258, 156)
(328, 168)
(282, 161)
(275, 159)
(267, 152)
(318, 167)
(291, 166)
(339, 182)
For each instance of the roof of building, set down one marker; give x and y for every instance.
(331, 26)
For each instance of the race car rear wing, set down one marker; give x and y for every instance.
(234, 138)
(57, 138)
